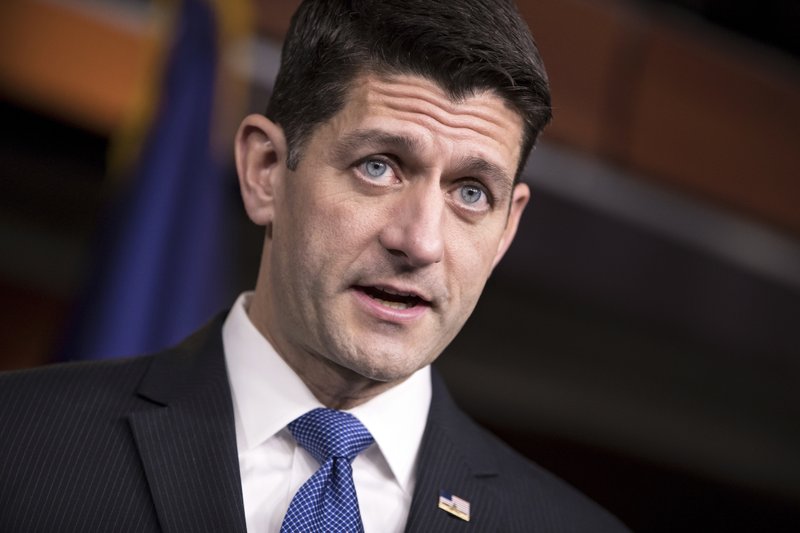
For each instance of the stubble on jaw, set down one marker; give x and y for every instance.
(334, 385)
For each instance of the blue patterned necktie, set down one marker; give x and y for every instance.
(327, 501)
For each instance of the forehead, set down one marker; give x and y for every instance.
(422, 117)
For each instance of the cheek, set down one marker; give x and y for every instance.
(470, 264)
(334, 236)
(359, 219)
(475, 245)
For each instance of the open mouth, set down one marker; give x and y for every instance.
(393, 299)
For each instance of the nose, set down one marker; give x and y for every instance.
(415, 227)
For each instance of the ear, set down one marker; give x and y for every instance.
(261, 164)
(519, 199)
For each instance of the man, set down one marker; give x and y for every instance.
(386, 175)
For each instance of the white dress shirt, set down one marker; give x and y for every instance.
(267, 395)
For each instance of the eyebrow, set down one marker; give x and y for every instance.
(375, 138)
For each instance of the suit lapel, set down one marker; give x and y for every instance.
(187, 440)
(453, 458)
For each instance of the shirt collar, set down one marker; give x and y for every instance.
(267, 395)
(397, 418)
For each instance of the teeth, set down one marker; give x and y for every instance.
(396, 293)
(394, 305)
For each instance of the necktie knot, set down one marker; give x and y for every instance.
(327, 433)
(327, 501)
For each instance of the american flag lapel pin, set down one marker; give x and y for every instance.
(454, 505)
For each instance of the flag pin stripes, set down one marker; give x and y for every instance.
(454, 505)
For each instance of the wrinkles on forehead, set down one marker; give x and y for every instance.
(414, 95)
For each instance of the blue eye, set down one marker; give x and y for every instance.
(471, 194)
(375, 168)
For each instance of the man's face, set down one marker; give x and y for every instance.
(383, 237)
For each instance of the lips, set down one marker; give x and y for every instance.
(393, 298)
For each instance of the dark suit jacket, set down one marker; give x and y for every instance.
(148, 444)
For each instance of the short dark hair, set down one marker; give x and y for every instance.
(465, 46)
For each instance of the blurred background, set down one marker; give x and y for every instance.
(642, 338)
